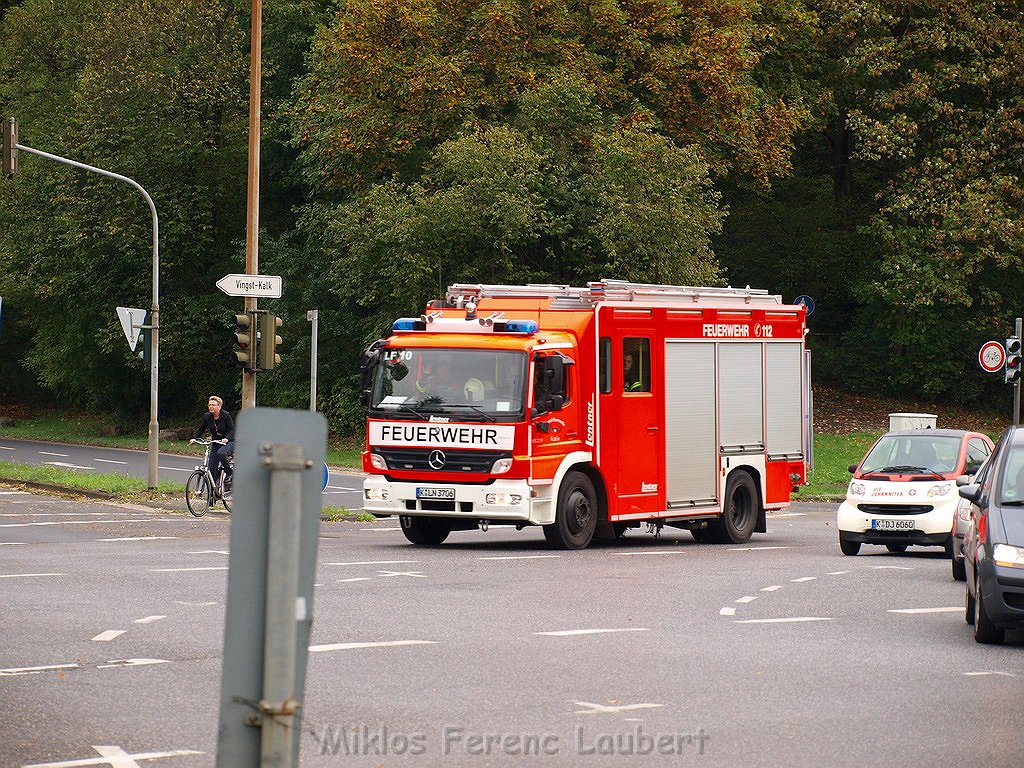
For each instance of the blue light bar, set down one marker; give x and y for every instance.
(521, 326)
(408, 324)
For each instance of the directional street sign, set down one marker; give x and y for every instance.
(132, 320)
(258, 286)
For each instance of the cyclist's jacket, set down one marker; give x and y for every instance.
(220, 428)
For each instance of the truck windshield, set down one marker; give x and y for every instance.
(465, 384)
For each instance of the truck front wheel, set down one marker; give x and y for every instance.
(425, 530)
(575, 515)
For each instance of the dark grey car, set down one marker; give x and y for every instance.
(994, 544)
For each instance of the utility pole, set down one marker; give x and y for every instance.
(252, 227)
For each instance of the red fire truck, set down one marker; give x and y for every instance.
(588, 411)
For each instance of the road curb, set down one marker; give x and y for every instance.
(55, 488)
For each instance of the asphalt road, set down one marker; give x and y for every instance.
(495, 650)
(343, 490)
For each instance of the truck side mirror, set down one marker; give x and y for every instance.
(371, 357)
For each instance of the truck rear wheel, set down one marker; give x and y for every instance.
(575, 515)
(739, 513)
(425, 530)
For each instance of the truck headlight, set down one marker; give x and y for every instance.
(377, 462)
(1004, 554)
(376, 494)
(501, 466)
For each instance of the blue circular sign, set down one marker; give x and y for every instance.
(806, 300)
(327, 476)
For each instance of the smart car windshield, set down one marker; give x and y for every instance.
(469, 384)
(900, 454)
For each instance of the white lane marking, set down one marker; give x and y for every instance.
(139, 538)
(358, 578)
(131, 663)
(355, 646)
(116, 758)
(569, 632)
(803, 578)
(341, 488)
(80, 522)
(837, 573)
(48, 453)
(754, 549)
(954, 609)
(177, 469)
(11, 543)
(411, 574)
(520, 557)
(773, 588)
(148, 619)
(378, 562)
(783, 621)
(66, 465)
(371, 530)
(183, 570)
(991, 672)
(54, 514)
(890, 568)
(182, 602)
(209, 552)
(35, 670)
(594, 709)
(791, 514)
(110, 634)
(729, 611)
(745, 599)
(5, 448)
(111, 461)
(658, 552)
(27, 575)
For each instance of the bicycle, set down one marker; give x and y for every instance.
(201, 492)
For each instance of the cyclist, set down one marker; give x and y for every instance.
(222, 430)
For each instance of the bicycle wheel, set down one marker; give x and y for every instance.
(225, 490)
(197, 493)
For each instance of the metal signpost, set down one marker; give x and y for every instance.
(274, 525)
(995, 356)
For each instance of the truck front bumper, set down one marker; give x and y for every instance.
(501, 500)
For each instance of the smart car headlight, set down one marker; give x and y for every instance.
(1005, 554)
(857, 489)
(939, 490)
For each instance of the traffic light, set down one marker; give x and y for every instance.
(1013, 359)
(10, 147)
(269, 340)
(245, 341)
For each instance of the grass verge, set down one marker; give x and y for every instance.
(120, 486)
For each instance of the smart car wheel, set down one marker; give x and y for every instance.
(849, 547)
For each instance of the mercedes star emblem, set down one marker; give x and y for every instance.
(436, 460)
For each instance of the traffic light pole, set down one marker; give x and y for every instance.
(154, 357)
(1016, 385)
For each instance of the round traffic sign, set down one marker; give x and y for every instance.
(326, 476)
(992, 356)
(806, 300)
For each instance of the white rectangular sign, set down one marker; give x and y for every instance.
(418, 434)
(259, 286)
